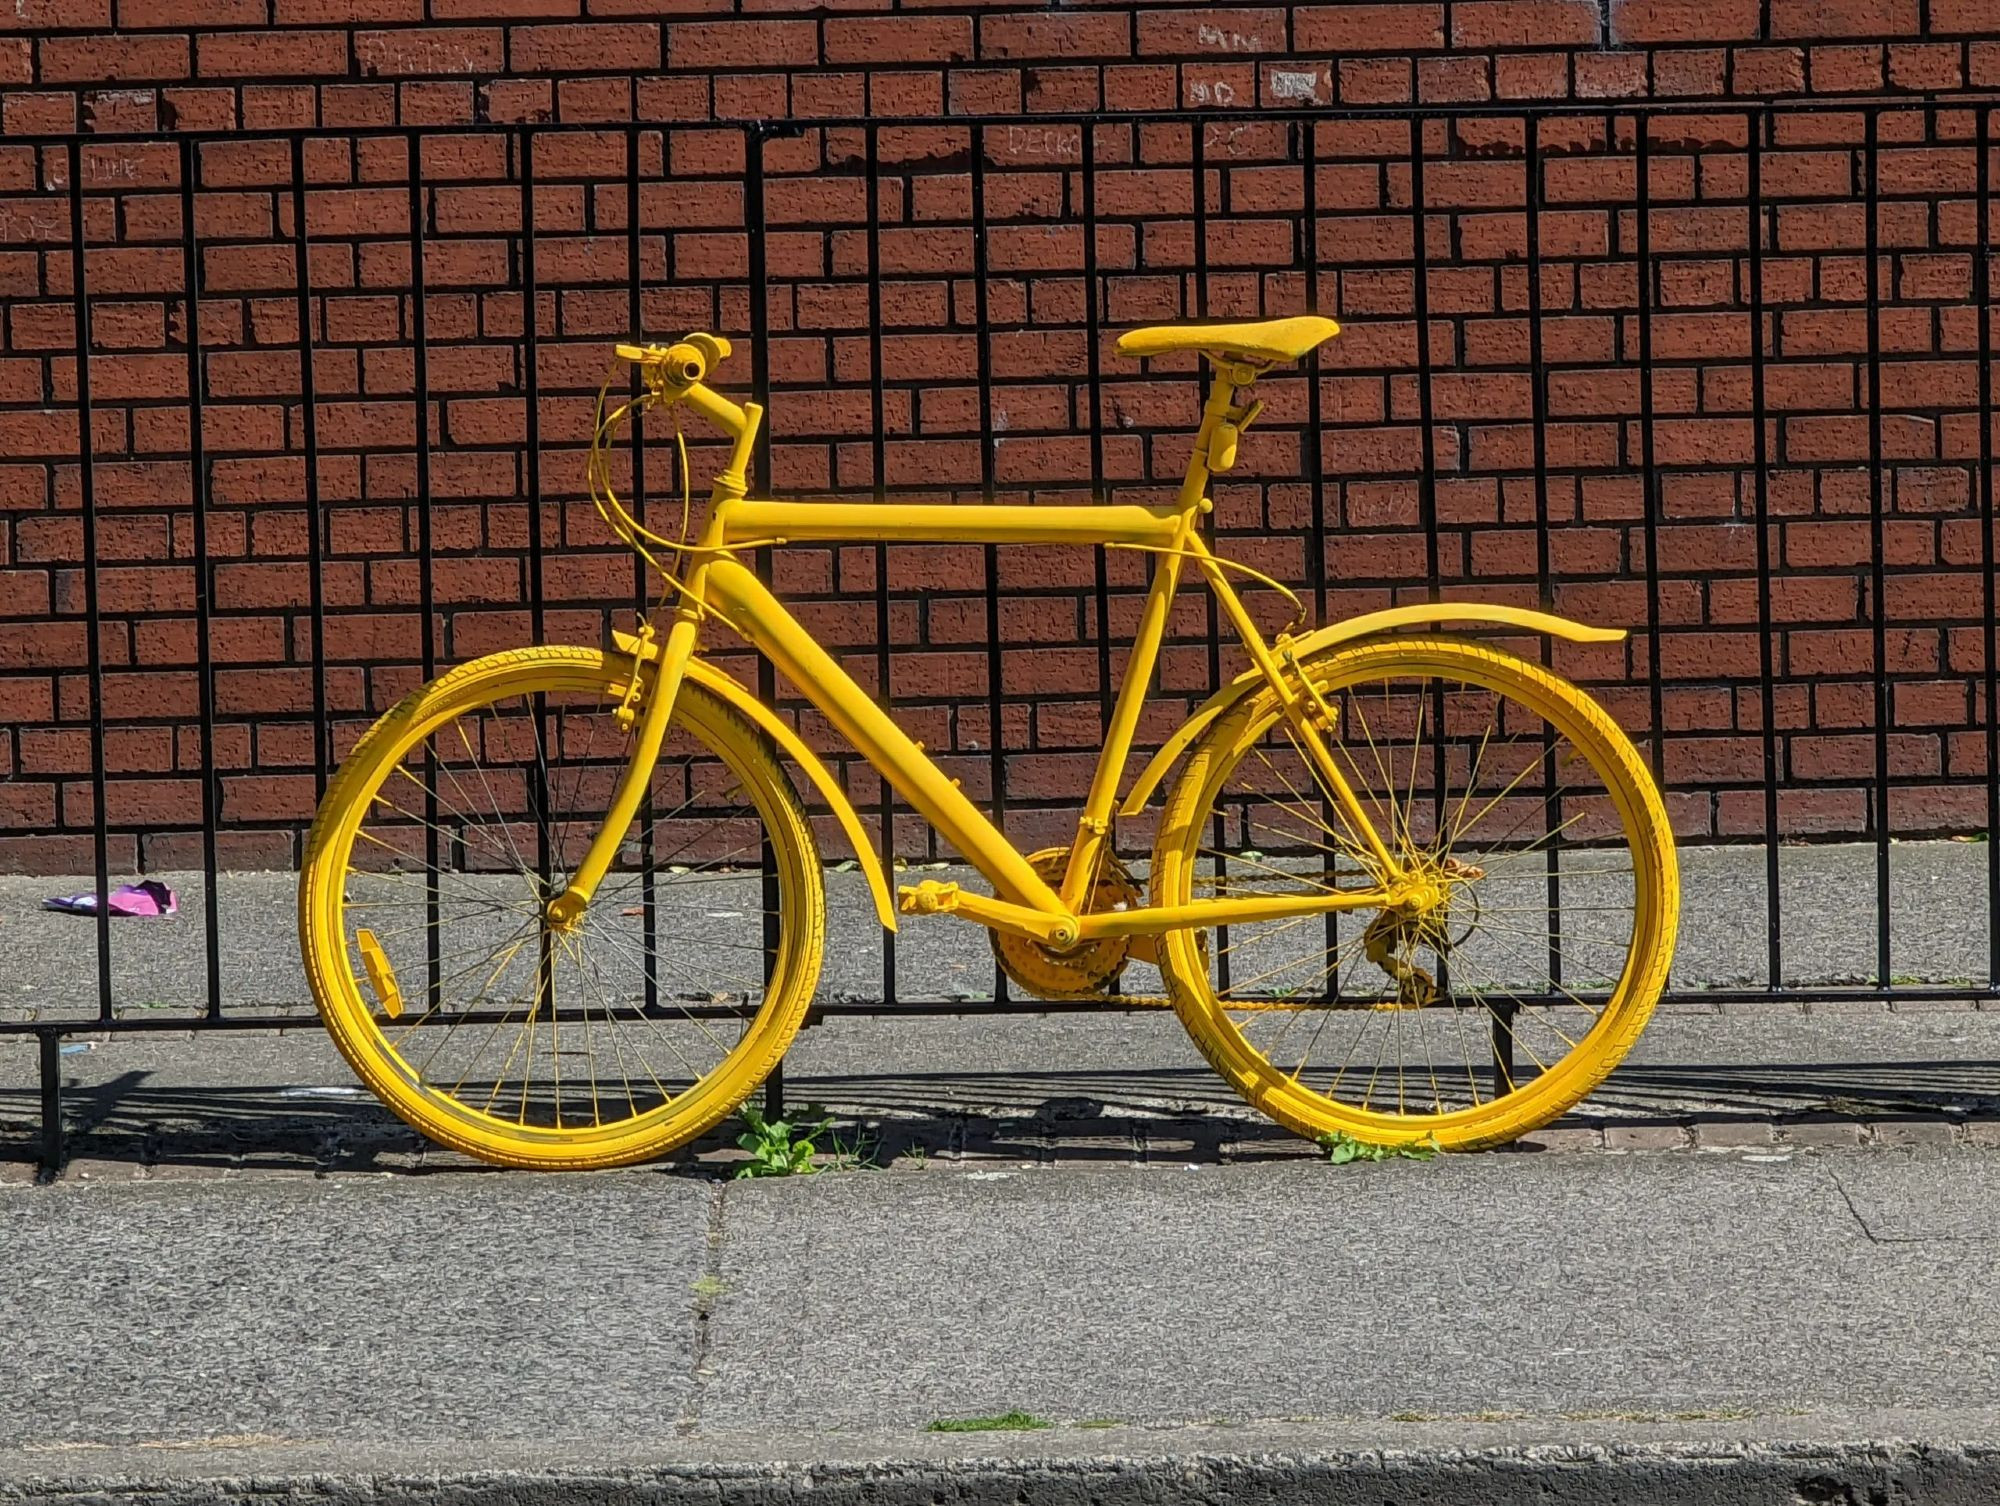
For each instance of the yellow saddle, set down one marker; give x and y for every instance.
(1266, 343)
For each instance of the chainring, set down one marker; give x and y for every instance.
(1088, 970)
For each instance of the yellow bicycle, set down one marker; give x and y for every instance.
(563, 907)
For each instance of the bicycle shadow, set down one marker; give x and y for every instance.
(134, 1119)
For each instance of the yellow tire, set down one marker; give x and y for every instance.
(1502, 996)
(426, 943)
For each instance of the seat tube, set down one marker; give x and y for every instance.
(1094, 827)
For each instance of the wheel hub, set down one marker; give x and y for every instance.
(1420, 916)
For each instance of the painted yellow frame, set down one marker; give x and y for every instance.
(713, 581)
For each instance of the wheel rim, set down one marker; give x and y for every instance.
(1487, 776)
(470, 1007)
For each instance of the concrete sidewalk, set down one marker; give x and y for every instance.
(1772, 1326)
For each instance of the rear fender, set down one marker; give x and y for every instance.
(793, 747)
(1372, 624)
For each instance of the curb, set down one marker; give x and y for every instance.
(1716, 1474)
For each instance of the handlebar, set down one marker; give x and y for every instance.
(680, 365)
(676, 373)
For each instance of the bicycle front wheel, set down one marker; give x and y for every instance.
(1542, 922)
(422, 911)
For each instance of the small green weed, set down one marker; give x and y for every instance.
(864, 1154)
(709, 1286)
(1101, 1422)
(781, 1147)
(1006, 1422)
(1341, 1147)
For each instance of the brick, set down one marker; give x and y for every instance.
(45, 15)
(1212, 31)
(1915, 1132)
(1517, 23)
(584, 48)
(347, 12)
(102, 60)
(430, 50)
(301, 54)
(1954, 17)
(1642, 1137)
(902, 39)
(1826, 1134)
(1734, 1134)
(1816, 20)
(1054, 36)
(719, 44)
(1645, 23)
(505, 10)
(1347, 29)
(191, 14)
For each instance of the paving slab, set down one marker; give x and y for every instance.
(381, 1309)
(1539, 1285)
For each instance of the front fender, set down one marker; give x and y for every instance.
(793, 747)
(1389, 620)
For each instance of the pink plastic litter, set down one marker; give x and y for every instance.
(148, 899)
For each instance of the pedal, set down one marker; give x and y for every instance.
(381, 975)
(928, 898)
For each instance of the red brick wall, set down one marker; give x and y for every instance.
(226, 64)
(346, 67)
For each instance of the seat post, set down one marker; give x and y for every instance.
(1230, 377)
(1221, 400)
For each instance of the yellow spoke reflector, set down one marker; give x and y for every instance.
(381, 976)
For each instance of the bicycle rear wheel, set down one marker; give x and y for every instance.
(422, 912)
(1480, 1012)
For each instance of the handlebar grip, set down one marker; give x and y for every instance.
(685, 362)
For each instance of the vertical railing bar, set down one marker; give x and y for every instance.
(1198, 158)
(532, 384)
(988, 458)
(649, 856)
(1316, 550)
(760, 472)
(878, 450)
(1094, 394)
(204, 596)
(1426, 367)
(1648, 417)
(1316, 468)
(1427, 509)
(309, 418)
(49, 1053)
(1766, 647)
(420, 388)
(93, 622)
(1982, 284)
(540, 786)
(1544, 587)
(1879, 571)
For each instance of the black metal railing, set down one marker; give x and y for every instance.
(300, 425)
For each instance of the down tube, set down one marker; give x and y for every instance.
(773, 632)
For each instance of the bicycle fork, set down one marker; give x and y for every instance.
(566, 909)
